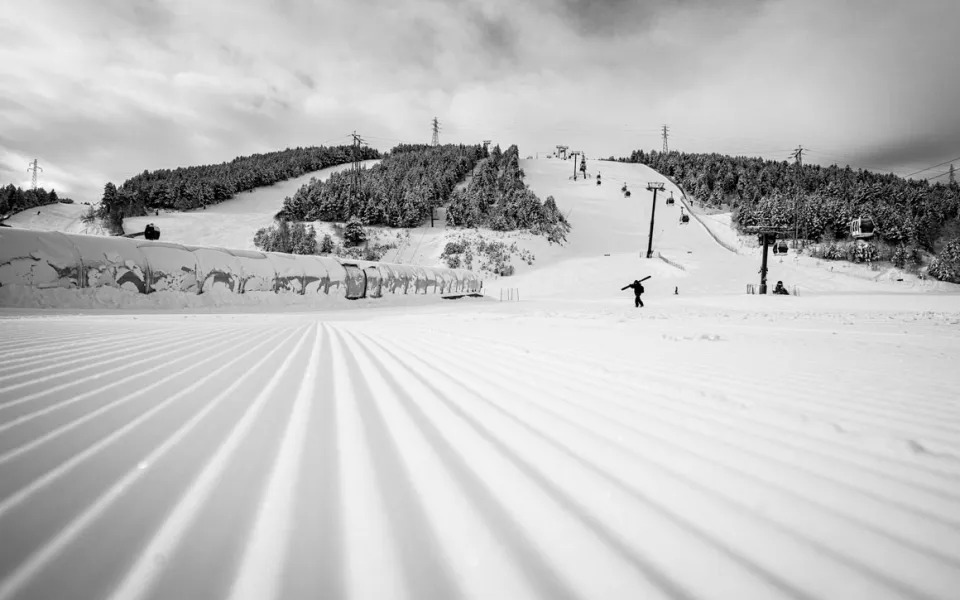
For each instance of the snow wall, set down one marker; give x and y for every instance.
(50, 259)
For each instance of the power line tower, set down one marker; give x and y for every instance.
(436, 132)
(798, 156)
(485, 144)
(666, 134)
(34, 167)
(952, 178)
(357, 141)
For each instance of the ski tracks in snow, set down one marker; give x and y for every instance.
(293, 458)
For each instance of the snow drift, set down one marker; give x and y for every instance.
(47, 259)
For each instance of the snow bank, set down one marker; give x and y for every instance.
(41, 260)
(26, 297)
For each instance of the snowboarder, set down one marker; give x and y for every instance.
(780, 290)
(637, 290)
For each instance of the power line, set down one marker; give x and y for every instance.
(933, 167)
(847, 161)
(932, 177)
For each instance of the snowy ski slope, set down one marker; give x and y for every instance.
(231, 224)
(711, 445)
(67, 218)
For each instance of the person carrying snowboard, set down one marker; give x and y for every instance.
(637, 290)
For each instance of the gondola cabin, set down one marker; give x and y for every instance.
(782, 247)
(862, 227)
(684, 218)
(670, 200)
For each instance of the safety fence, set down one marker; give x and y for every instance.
(689, 205)
(510, 294)
(672, 263)
(50, 259)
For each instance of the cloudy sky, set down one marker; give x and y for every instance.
(99, 90)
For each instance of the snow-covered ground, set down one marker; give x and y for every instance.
(66, 218)
(231, 224)
(710, 445)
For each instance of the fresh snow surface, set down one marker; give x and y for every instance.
(711, 445)
(66, 218)
(233, 223)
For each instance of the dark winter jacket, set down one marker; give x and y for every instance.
(637, 287)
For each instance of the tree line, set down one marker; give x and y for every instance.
(400, 191)
(820, 202)
(497, 197)
(187, 188)
(13, 199)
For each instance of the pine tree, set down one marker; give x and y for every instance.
(283, 237)
(353, 234)
(326, 244)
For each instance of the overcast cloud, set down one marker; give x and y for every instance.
(99, 90)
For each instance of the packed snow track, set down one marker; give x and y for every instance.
(478, 454)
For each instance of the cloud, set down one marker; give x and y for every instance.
(603, 18)
(102, 89)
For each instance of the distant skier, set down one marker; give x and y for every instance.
(780, 290)
(637, 290)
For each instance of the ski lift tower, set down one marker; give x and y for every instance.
(768, 235)
(574, 154)
(653, 186)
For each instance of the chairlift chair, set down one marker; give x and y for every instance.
(862, 227)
